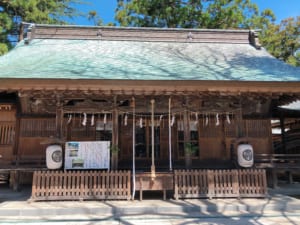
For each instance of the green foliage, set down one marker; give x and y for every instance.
(13, 12)
(93, 16)
(189, 148)
(221, 14)
(283, 40)
(114, 149)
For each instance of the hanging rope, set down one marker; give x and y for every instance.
(152, 139)
(133, 148)
(170, 137)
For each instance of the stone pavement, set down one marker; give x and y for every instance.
(15, 209)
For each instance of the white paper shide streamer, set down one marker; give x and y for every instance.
(84, 119)
(125, 120)
(228, 119)
(141, 122)
(217, 120)
(93, 120)
(105, 119)
(69, 119)
(173, 120)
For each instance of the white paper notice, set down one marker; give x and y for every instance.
(87, 155)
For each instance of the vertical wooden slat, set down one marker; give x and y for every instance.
(220, 183)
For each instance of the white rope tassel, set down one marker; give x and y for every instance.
(217, 120)
(69, 119)
(228, 118)
(196, 118)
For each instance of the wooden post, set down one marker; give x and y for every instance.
(274, 178)
(15, 180)
(170, 137)
(224, 152)
(289, 177)
(152, 140)
(283, 142)
(133, 148)
(115, 136)
(59, 119)
(187, 138)
(21, 32)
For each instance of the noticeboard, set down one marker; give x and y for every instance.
(87, 155)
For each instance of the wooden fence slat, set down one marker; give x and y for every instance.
(74, 185)
(220, 183)
(70, 185)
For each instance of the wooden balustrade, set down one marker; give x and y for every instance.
(277, 160)
(104, 185)
(7, 133)
(81, 185)
(252, 183)
(219, 183)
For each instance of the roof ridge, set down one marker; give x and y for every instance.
(42, 31)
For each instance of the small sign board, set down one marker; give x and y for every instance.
(87, 155)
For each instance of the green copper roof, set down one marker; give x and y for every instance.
(106, 59)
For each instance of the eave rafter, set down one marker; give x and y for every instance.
(44, 93)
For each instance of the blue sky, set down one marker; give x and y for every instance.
(106, 8)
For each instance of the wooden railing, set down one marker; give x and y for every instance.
(7, 133)
(277, 160)
(80, 185)
(219, 183)
(252, 183)
(19, 162)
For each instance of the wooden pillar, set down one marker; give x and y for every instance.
(170, 136)
(187, 139)
(133, 148)
(152, 140)
(115, 136)
(224, 150)
(289, 175)
(24, 102)
(59, 122)
(283, 142)
(20, 37)
(14, 181)
(274, 178)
